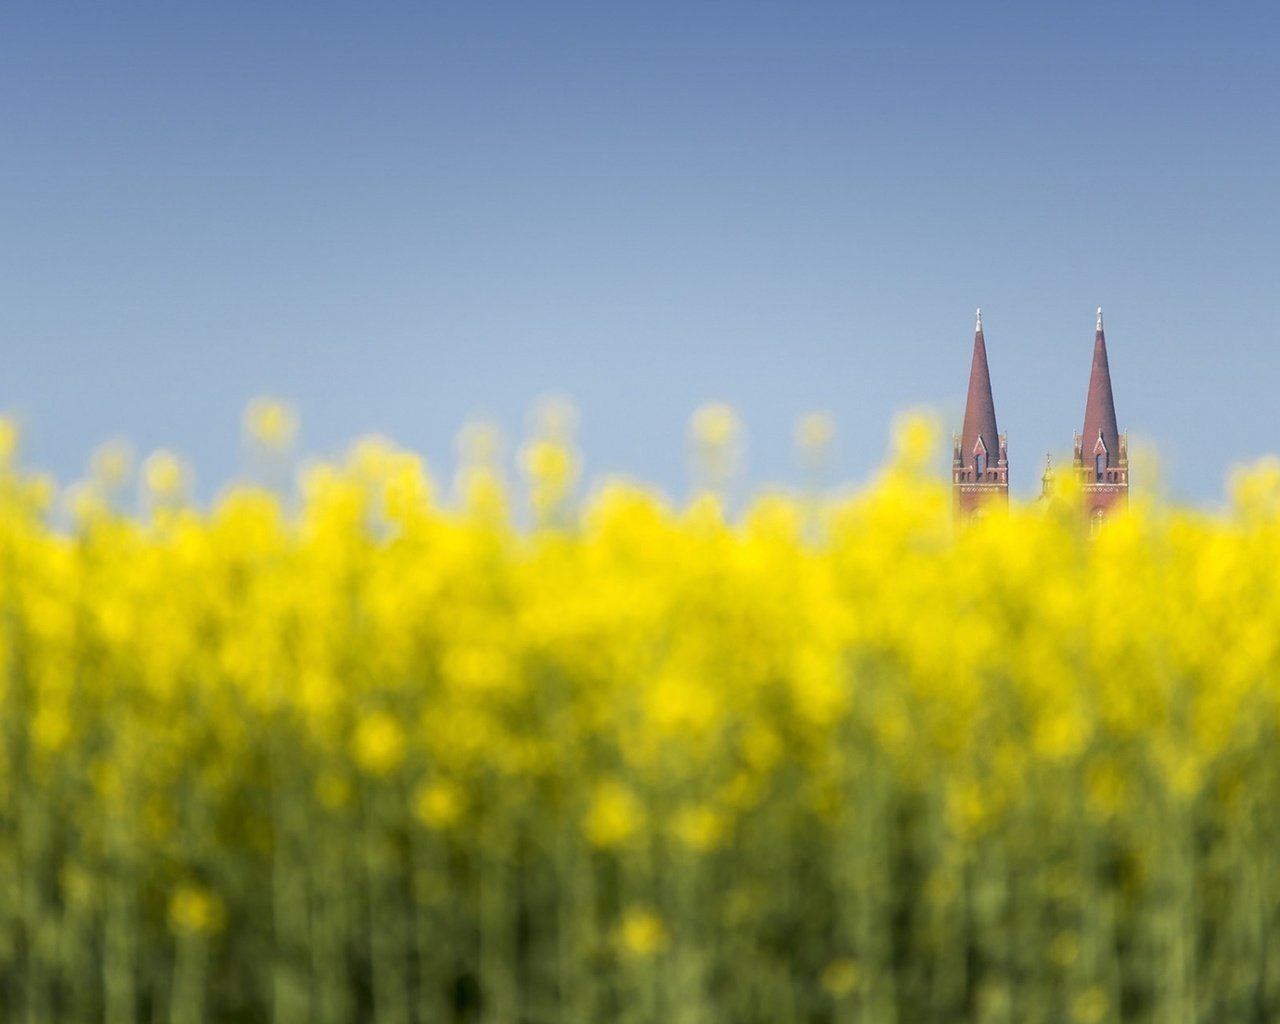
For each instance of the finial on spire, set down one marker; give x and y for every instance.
(1099, 326)
(978, 326)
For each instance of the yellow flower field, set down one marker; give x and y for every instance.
(372, 753)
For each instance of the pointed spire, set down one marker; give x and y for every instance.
(1100, 406)
(979, 408)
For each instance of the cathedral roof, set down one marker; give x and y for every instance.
(1100, 407)
(979, 407)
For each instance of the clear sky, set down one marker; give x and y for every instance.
(400, 216)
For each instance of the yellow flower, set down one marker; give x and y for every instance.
(372, 692)
(915, 439)
(683, 705)
(1064, 950)
(814, 431)
(78, 886)
(548, 464)
(270, 423)
(716, 425)
(10, 436)
(438, 804)
(111, 464)
(614, 816)
(719, 439)
(1090, 1006)
(642, 933)
(51, 728)
(841, 976)
(1107, 789)
(333, 791)
(698, 827)
(379, 744)
(165, 476)
(555, 418)
(1061, 734)
(480, 444)
(195, 910)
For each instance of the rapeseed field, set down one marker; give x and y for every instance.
(394, 751)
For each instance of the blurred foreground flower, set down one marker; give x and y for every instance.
(379, 755)
(642, 933)
(270, 423)
(194, 910)
(719, 444)
(166, 478)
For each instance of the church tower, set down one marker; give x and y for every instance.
(979, 459)
(1101, 451)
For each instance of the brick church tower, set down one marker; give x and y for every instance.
(1101, 458)
(979, 458)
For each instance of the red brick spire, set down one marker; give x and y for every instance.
(1100, 407)
(980, 408)
(979, 459)
(1101, 451)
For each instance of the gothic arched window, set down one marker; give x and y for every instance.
(1101, 463)
(981, 463)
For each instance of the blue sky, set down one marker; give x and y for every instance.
(402, 216)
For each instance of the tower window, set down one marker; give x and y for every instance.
(981, 463)
(1101, 465)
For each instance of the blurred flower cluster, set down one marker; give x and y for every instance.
(374, 755)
